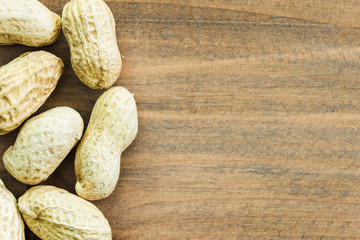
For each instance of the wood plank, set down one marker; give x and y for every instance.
(248, 119)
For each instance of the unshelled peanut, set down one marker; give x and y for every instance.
(112, 127)
(11, 223)
(55, 214)
(42, 144)
(25, 84)
(89, 28)
(27, 22)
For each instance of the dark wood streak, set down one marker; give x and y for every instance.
(248, 119)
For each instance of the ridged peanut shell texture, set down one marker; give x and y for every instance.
(42, 144)
(11, 223)
(112, 127)
(25, 84)
(89, 28)
(27, 22)
(55, 214)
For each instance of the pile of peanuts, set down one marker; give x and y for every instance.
(46, 139)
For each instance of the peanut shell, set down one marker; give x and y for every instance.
(27, 22)
(89, 28)
(42, 144)
(11, 223)
(25, 84)
(55, 214)
(112, 127)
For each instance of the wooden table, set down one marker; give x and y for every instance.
(249, 119)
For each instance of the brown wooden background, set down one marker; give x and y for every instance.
(249, 117)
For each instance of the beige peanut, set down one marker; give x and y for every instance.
(55, 214)
(27, 22)
(112, 127)
(89, 28)
(25, 84)
(11, 223)
(42, 144)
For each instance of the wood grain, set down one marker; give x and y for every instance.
(249, 117)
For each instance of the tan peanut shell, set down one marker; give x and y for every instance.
(55, 214)
(112, 127)
(89, 28)
(42, 144)
(11, 223)
(27, 22)
(25, 84)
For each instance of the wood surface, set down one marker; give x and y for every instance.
(249, 117)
